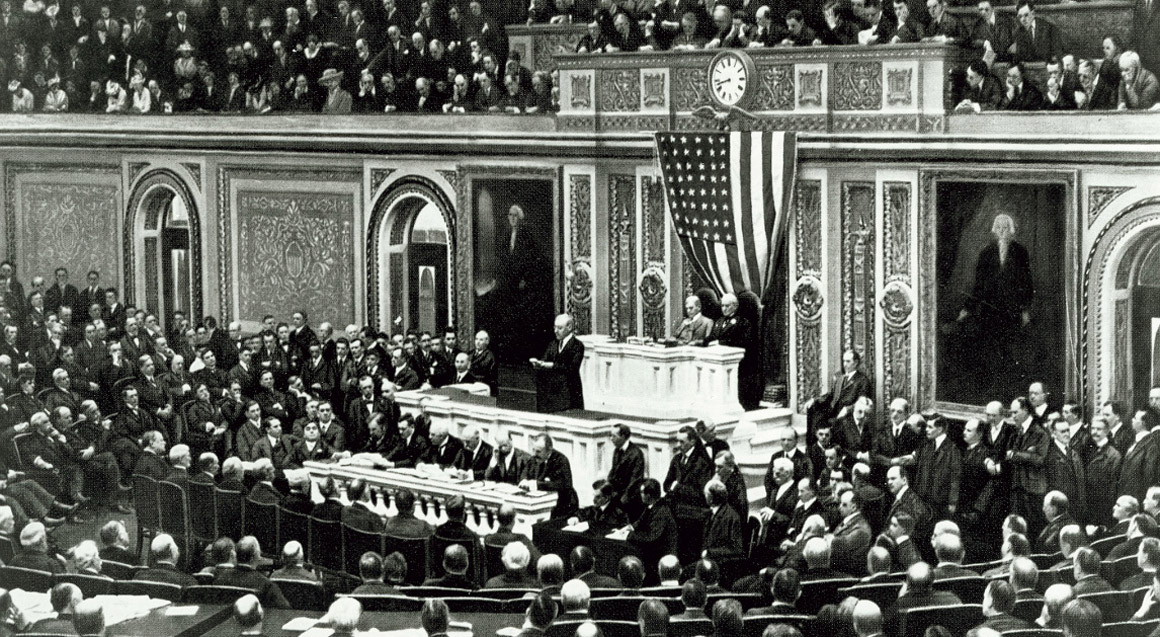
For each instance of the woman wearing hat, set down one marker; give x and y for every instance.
(55, 100)
(22, 100)
(142, 99)
(118, 100)
(185, 66)
(338, 101)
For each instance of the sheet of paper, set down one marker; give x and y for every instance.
(509, 631)
(181, 611)
(579, 527)
(299, 624)
(318, 631)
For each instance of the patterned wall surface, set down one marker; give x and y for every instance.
(295, 250)
(653, 287)
(580, 220)
(858, 286)
(622, 255)
(897, 303)
(74, 225)
(807, 295)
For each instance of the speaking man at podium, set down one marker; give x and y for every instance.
(558, 385)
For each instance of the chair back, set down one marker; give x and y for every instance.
(174, 509)
(978, 567)
(1130, 628)
(748, 600)
(968, 589)
(261, 521)
(388, 603)
(293, 526)
(415, 552)
(147, 503)
(882, 593)
(475, 556)
(325, 549)
(1105, 545)
(227, 512)
(492, 561)
(119, 570)
(1120, 569)
(755, 625)
(1028, 609)
(213, 594)
(625, 608)
(90, 585)
(355, 542)
(690, 627)
(1116, 606)
(302, 594)
(1034, 632)
(6, 550)
(475, 604)
(816, 593)
(609, 628)
(202, 506)
(1044, 561)
(27, 579)
(505, 593)
(563, 629)
(156, 590)
(435, 591)
(913, 622)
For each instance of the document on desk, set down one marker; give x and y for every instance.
(619, 534)
(299, 624)
(579, 527)
(122, 608)
(319, 631)
(181, 611)
(503, 487)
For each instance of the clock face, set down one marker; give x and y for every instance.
(729, 78)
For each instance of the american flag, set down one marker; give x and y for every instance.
(729, 194)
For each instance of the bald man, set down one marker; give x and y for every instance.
(695, 327)
(558, 385)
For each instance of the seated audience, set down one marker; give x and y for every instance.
(370, 570)
(574, 599)
(293, 564)
(693, 596)
(515, 558)
(540, 614)
(164, 555)
(246, 575)
(550, 570)
(455, 564)
(64, 598)
(998, 602)
(785, 590)
(89, 618)
(249, 614)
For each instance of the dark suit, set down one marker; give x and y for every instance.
(1026, 98)
(988, 94)
(783, 510)
(1065, 472)
(357, 516)
(802, 466)
(852, 440)
(445, 454)
(950, 571)
(937, 474)
(166, 574)
(245, 576)
(505, 470)
(1045, 44)
(483, 367)
(1003, 622)
(851, 543)
(452, 580)
(554, 474)
(912, 504)
(265, 493)
(559, 388)
(408, 453)
(628, 469)
(278, 452)
(610, 516)
(1092, 584)
(722, 536)
(152, 465)
(1101, 476)
(691, 473)
(408, 526)
(1141, 467)
(844, 391)
(655, 534)
(475, 461)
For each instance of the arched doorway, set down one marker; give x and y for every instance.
(163, 248)
(1123, 306)
(411, 258)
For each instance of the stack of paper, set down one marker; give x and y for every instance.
(121, 608)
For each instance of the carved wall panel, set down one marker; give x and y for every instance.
(653, 289)
(622, 255)
(1121, 385)
(1099, 197)
(295, 250)
(152, 297)
(807, 297)
(774, 88)
(619, 90)
(580, 219)
(65, 224)
(548, 46)
(689, 88)
(897, 297)
(857, 86)
(858, 285)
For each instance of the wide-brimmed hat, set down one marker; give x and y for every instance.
(331, 75)
(13, 85)
(266, 22)
(55, 79)
(185, 47)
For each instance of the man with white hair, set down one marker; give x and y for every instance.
(181, 459)
(515, 557)
(87, 559)
(33, 551)
(475, 456)
(445, 448)
(507, 462)
(293, 560)
(559, 387)
(780, 501)
(867, 619)
(483, 365)
(735, 330)
(248, 613)
(89, 618)
(575, 596)
(1139, 88)
(165, 557)
(695, 327)
(343, 615)
(721, 539)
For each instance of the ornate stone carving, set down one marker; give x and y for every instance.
(809, 356)
(295, 250)
(653, 89)
(689, 89)
(931, 124)
(622, 255)
(653, 293)
(580, 219)
(896, 304)
(653, 200)
(619, 90)
(811, 88)
(194, 170)
(617, 122)
(68, 225)
(1121, 381)
(896, 364)
(808, 226)
(152, 253)
(896, 229)
(585, 123)
(808, 299)
(135, 169)
(774, 88)
(581, 91)
(548, 46)
(378, 176)
(452, 178)
(898, 86)
(857, 86)
(858, 269)
(1099, 197)
(883, 123)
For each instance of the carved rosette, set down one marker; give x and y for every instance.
(857, 86)
(580, 220)
(811, 88)
(653, 292)
(774, 88)
(619, 90)
(896, 305)
(808, 299)
(1099, 197)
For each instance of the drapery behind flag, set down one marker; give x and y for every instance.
(729, 196)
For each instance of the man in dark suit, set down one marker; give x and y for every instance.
(507, 463)
(410, 449)
(245, 575)
(905, 499)
(854, 432)
(1101, 475)
(405, 524)
(655, 532)
(919, 592)
(64, 597)
(604, 511)
(851, 539)
(91, 295)
(583, 563)
(785, 590)
(1087, 573)
(689, 471)
(63, 294)
(164, 569)
(938, 468)
(802, 466)
(455, 528)
(475, 454)
(455, 564)
(1036, 40)
(1141, 465)
(984, 91)
(780, 501)
(628, 469)
(975, 489)
(845, 388)
(1025, 463)
(948, 550)
(359, 515)
(550, 470)
(998, 602)
(558, 385)
(1064, 471)
(152, 460)
(401, 373)
(942, 25)
(1021, 95)
(483, 365)
(895, 441)
(462, 374)
(721, 540)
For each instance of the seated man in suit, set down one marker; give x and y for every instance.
(475, 454)
(115, 543)
(86, 559)
(410, 449)
(359, 515)
(164, 570)
(1087, 572)
(655, 532)
(695, 327)
(515, 558)
(507, 462)
(249, 615)
(878, 565)
(444, 447)
(1021, 94)
(64, 597)
(455, 564)
(264, 491)
(370, 571)
(694, 597)
(575, 598)
(948, 548)
(293, 564)
(33, 551)
(248, 554)
(785, 591)
(998, 602)
(721, 539)
(455, 528)
(604, 510)
(273, 445)
(405, 524)
(540, 614)
(583, 563)
(1024, 578)
(919, 592)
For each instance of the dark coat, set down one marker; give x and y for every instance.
(554, 474)
(561, 383)
(722, 536)
(628, 468)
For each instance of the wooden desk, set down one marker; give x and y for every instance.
(159, 624)
(552, 538)
(482, 624)
(483, 498)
